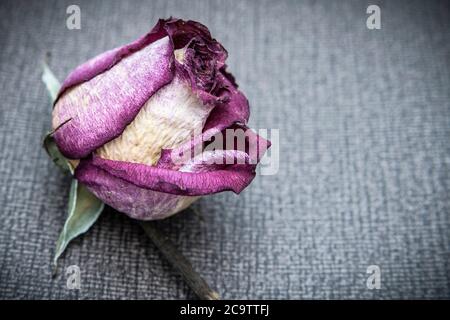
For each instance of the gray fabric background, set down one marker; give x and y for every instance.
(364, 119)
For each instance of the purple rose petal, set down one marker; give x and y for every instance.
(126, 197)
(100, 98)
(98, 110)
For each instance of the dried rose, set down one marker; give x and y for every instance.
(127, 117)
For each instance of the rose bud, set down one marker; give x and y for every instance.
(126, 116)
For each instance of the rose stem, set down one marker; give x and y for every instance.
(179, 262)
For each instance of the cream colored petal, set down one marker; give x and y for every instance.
(169, 118)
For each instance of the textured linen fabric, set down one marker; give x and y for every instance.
(364, 119)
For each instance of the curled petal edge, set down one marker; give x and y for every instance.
(201, 176)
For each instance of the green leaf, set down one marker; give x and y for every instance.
(84, 210)
(56, 156)
(50, 146)
(51, 82)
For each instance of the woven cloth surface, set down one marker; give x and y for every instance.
(364, 126)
